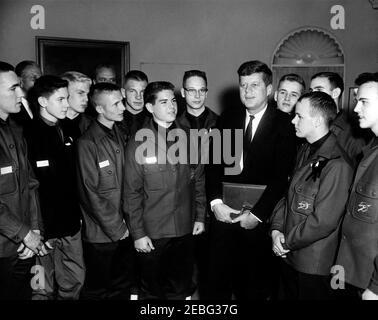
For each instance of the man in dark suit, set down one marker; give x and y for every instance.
(28, 72)
(240, 257)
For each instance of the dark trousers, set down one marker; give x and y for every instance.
(110, 270)
(15, 277)
(201, 261)
(295, 285)
(166, 272)
(241, 263)
(63, 270)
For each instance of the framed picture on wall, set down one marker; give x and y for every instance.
(58, 55)
(352, 99)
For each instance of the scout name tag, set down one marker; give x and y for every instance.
(151, 160)
(6, 170)
(42, 163)
(104, 164)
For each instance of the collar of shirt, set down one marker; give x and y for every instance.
(156, 126)
(159, 128)
(4, 122)
(48, 122)
(25, 103)
(374, 142)
(256, 120)
(127, 114)
(109, 132)
(197, 122)
(317, 144)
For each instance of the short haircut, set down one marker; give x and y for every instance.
(5, 67)
(334, 79)
(104, 65)
(292, 77)
(100, 88)
(136, 75)
(366, 77)
(194, 73)
(255, 66)
(74, 76)
(153, 88)
(45, 86)
(321, 104)
(20, 67)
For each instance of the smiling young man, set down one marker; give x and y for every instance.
(358, 250)
(135, 114)
(290, 88)
(267, 158)
(108, 249)
(162, 213)
(20, 218)
(305, 223)
(51, 154)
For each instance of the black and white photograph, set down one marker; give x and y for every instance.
(188, 157)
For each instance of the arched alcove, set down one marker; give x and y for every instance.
(307, 51)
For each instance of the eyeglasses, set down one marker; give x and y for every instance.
(194, 92)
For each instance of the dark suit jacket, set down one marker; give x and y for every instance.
(269, 161)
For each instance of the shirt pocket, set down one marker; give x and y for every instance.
(303, 200)
(154, 176)
(8, 180)
(365, 203)
(108, 179)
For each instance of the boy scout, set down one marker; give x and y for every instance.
(158, 202)
(108, 251)
(51, 154)
(306, 221)
(358, 252)
(20, 220)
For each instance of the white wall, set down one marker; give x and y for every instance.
(216, 34)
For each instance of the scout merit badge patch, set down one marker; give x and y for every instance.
(304, 205)
(363, 207)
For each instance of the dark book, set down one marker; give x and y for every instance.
(241, 196)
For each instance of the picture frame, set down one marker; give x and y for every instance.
(57, 55)
(352, 98)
